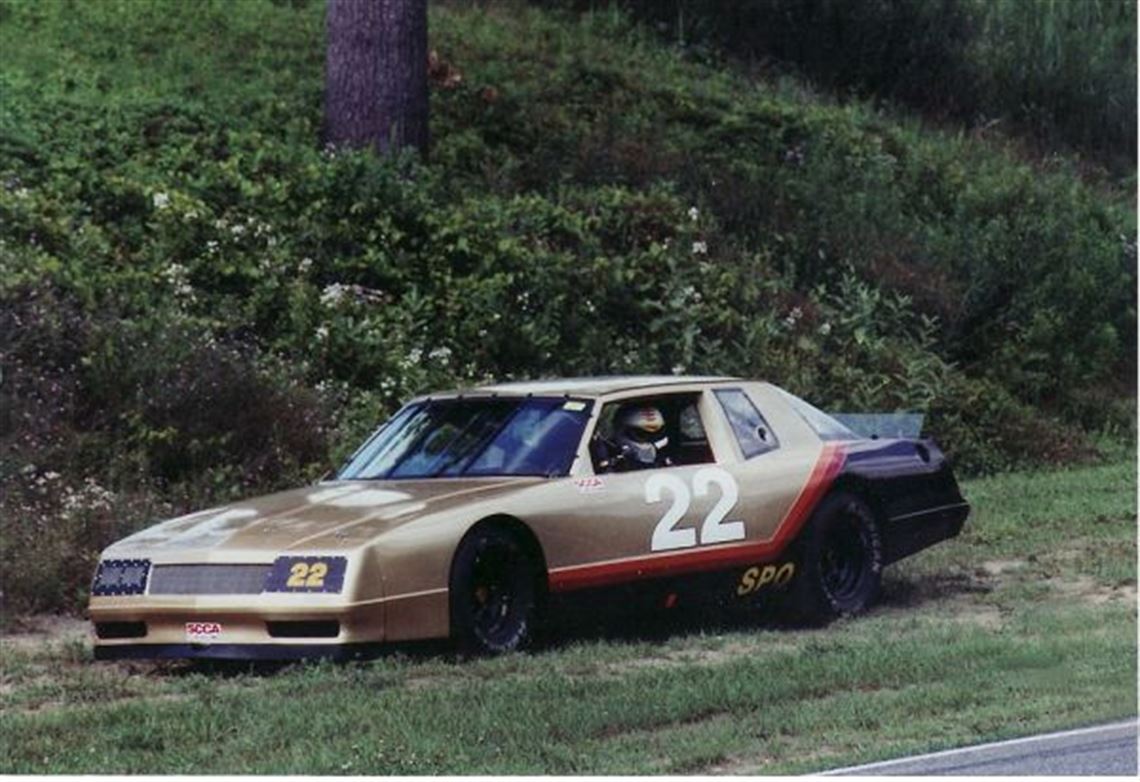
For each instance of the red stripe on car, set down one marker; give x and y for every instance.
(707, 558)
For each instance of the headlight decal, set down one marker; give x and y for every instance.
(307, 574)
(121, 577)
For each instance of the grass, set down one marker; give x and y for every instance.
(1027, 622)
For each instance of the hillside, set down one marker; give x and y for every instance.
(197, 301)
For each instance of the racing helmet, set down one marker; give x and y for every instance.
(641, 423)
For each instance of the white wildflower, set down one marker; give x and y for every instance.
(332, 294)
(322, 333)
(304, 266)
(178, 279)
(679, 369)
(160, 200)
(700, 248)
(694, 213)
(825, 329)
(442, 355)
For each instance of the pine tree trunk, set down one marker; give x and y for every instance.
(376, 91)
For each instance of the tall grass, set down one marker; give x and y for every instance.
(1065, 70)
(1062, 72)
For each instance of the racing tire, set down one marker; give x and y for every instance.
(494, 593)
(840, 559)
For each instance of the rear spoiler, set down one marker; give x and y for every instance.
(882, 424)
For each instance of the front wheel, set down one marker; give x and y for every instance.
(494, 593)
(841, 561)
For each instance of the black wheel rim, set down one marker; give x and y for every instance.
(499, 595)
(843, 561)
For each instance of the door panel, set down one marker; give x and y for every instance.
(617, 527)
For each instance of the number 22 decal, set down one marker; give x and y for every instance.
(304, 574)
(714, 529)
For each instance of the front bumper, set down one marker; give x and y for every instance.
(265, 627)
(259, 652)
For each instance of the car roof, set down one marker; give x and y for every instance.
(593, 386)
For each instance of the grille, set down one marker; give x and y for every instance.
(208, 579)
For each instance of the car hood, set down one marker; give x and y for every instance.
(329, 516)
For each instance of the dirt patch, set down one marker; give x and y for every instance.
(1086, 589)
(999, 567)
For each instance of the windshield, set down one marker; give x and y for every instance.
(447, 438)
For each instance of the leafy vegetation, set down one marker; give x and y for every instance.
(1058, 73)
(199, 302)
(1026, 622)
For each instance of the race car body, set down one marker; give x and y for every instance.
(467, 511)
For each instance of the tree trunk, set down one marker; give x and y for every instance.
(376, 91)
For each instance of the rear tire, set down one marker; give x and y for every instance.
(840, 559)
(494, 593)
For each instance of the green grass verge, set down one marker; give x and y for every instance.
(1027, 622)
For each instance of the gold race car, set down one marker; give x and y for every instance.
(471, 514)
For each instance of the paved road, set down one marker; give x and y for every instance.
(1101, 750)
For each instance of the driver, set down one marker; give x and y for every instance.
(641, 437)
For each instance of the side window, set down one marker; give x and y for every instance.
(751, 430)
(649, 432)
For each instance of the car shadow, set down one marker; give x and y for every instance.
(913, 591)
(606, 622)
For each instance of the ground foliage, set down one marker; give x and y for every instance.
(198, 301)
(1054, 72)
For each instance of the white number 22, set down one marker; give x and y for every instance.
(714, 529)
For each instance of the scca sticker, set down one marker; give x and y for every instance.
(306, 574)
(769, 575)
(203, 632)
(591, 484)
